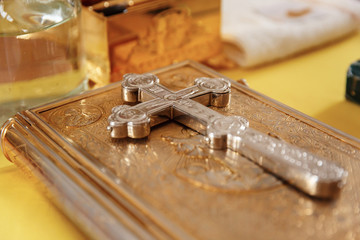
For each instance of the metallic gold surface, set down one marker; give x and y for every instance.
(153, 34)
(97, 62)
(170, 185)
(311, 174)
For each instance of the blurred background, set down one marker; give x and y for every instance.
(300, 53)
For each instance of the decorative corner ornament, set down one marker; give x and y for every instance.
(311, 174)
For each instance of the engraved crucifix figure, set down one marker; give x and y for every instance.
(311, 174)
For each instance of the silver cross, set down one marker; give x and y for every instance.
(311, 174)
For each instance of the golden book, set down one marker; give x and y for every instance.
(156, 162)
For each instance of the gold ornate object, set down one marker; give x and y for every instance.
(312, 174)
(147, 34)
(171, 184)
(97, 62)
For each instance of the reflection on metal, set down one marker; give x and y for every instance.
(314, 175)
(171, 184)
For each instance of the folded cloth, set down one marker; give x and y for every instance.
(260, 31)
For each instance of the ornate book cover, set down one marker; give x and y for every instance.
(170, 182)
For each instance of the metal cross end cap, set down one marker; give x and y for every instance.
(126, 121)
(327, 187)
(219, 89)
(226, 132)
(132, 82)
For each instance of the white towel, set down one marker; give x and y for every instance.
(261, 31)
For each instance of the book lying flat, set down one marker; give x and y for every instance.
(173, 184)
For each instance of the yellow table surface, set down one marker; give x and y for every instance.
(312, 83)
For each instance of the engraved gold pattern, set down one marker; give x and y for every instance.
(76, 115)
(156, 174)
(218, 170)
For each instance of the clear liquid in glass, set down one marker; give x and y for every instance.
(41, 55)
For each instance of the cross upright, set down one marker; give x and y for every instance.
(311, 174)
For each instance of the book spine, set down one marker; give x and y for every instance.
(34, 158)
